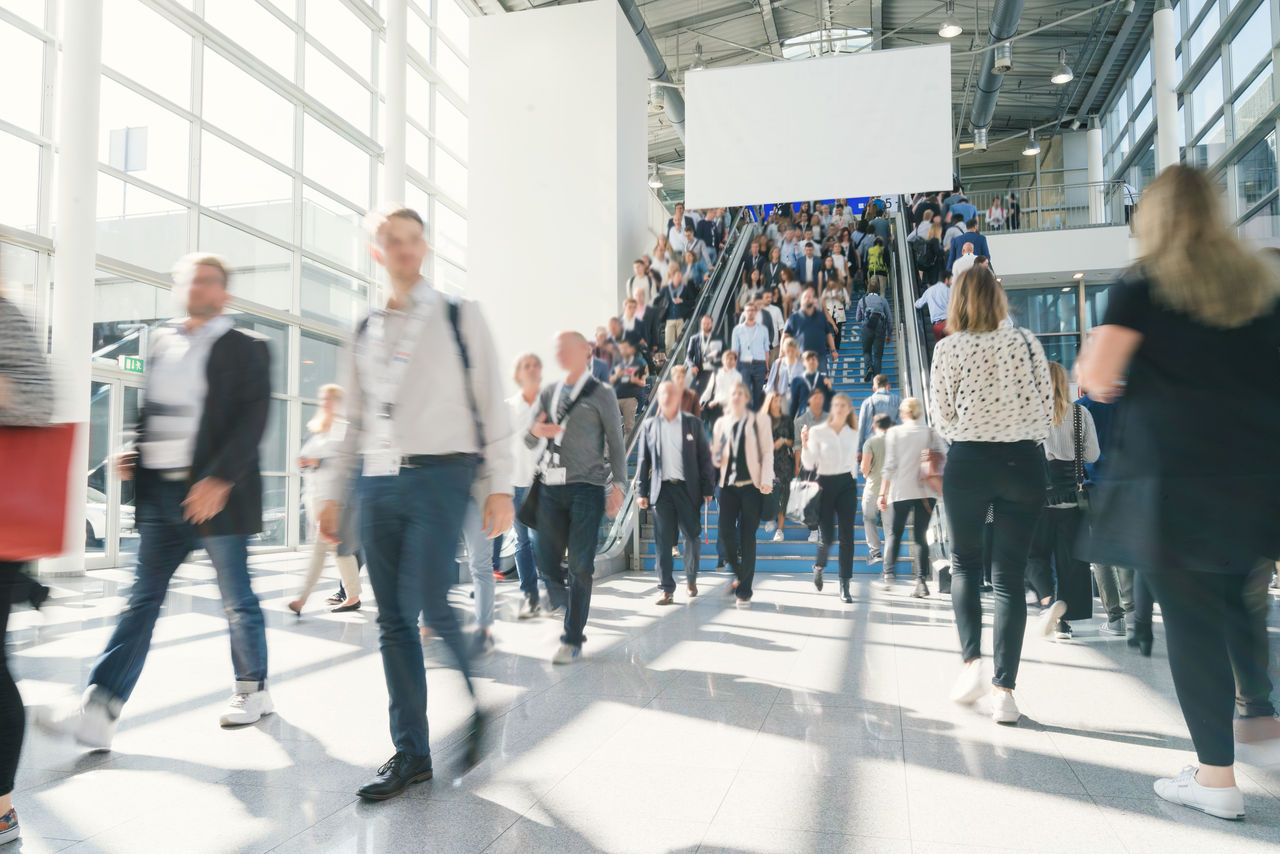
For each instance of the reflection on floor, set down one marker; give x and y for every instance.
(800, 725)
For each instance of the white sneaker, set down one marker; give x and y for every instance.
(1184, 790)
(770, 527)
(1032, 598)
(1050, 616)
(87, 722)
(777, 537)
(567, 654)
(1112, 627)
(969, 685)
(246, 707)
(813, 536)
(1003, 709)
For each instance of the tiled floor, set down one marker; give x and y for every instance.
(800, 725)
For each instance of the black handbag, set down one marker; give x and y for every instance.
(527, 512)
(1063, 494)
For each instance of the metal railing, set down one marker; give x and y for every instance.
(1051, 206)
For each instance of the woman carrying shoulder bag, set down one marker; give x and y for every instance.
(993, 401)
(742, 450)
(902, 492)
(832, 449)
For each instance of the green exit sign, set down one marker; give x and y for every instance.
(132, 364)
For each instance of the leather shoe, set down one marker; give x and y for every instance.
(666, 598)
(693, 589)
(476, 731)
(342, 609)
(395, 775)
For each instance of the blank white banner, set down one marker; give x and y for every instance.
(871, 123)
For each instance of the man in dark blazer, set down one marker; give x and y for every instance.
(674, 483)
(703, 354)
(198, 484)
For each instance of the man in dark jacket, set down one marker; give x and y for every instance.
(674, 476)
(198, 484)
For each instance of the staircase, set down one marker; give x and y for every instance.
(795, 553)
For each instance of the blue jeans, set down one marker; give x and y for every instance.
(165, 541)
(525, 539)
(409, 527)
(480, 562)
(754, 375)
(569, 520)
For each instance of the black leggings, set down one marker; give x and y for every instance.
(1212, 649)
(1068, 579)
(839, 497)
(740, 508)
(12, 719)
(920, 510)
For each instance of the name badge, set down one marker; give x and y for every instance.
(383, 463)
(554, 476)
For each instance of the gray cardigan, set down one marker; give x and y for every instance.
(594, 426)
(22, 363)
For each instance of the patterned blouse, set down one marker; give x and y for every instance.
(991, 387)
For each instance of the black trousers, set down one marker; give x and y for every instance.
(740, 508)
(1068, 579)
(1009, 476)
(920, 511)
(676, 513)
(13, 586)
(873, 338)
(839, 497)
(1213, 648)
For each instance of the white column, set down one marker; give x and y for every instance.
(1093, 146)
(395, 65)
(1162, 51)
(75, 251)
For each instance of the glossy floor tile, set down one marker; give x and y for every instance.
(798, 725)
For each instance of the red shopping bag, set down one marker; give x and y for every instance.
(34, 465)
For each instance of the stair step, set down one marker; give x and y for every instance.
(707, 564)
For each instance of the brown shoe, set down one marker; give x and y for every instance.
(693, 589)
(667, 599)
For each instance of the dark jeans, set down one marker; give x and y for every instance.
(526, 566)
(1069, 579)
(1011, 477)
(165, 541)
(873, 338)
(410, 524)
(838, 497)
(1213, 648)
(675, 512)
(740, 508)
(569, 521)
(920, 512)
(12, 718)
(754, 374)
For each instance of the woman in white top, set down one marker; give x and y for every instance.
(832, 449)
(742, 452)
(1059, 525)
(528, 376)
(317, 452)
(719, 390)
(995, 215)
(993, 401)
(835, 302)
(783, 371)
(902, 492)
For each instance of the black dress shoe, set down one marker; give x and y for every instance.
(395, 775)
(817, 577)
(844, 591)
(342, 609)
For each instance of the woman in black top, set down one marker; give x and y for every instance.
(784, 463)
(1195, 327)
(773, 269)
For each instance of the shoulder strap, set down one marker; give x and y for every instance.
(1078, 436)
(456, 325)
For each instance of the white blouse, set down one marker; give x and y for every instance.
(903, 446)
(991, 387)
(1061, 442)
(831, 452)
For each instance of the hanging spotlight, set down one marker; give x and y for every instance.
(1063, 74)
(1032, 147)
(698, 64)
(655, 180)
(950, 26)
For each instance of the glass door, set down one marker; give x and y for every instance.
(111, 536)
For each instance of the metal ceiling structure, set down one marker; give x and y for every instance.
(1098, 36)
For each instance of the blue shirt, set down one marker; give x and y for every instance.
(790, 253)
(937, 297)
(751, 342)
(978, 240)
(810, 330)
(965, 210)
(879, 403)
(1103, 414)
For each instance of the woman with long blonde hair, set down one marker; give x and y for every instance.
(832, 449)
(1193, 326)
(742, 452)
(902, 493)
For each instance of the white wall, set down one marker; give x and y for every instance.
(893, 130)
(1038, 253)
(557, 139)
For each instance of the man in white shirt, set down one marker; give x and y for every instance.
(963, 263)
(676, 231)
(641, 279)
(751, 343)
(430, 428)
(775, 314)
(936, 298)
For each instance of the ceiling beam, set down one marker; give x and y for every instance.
(706, 19)
(1117, 47)
(770, 26)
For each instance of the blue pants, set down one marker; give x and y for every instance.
(165, 541)
(569, 520)
(409, 527)
(754, 374)
(526, 567)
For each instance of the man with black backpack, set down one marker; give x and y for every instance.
(873, 315)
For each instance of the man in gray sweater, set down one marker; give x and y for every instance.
(580, 419)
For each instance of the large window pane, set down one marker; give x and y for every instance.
(451, 233)
(148, 48)
(339, 29)
(272, 448)
(18, 279)
(451, 125)
(418, 97)
(1206, 97)
(451, 176)
(1264, 226)
(125, 312)
(333, 230)
(332, 297)
(1210, 147)
(244, 107)
(334, 162)
(139, 227)
(449, 277)
(454, 23)
(419, 35)
(256, 30)
(1200, 35)
(1256, 174)
(337, 89)
(21, 194)
(417, 149)
(1142, 120)
(243, 186)
(32, 10)
(1142, 78)
(275, 512)
(1251, 44)
(22, 67)
(319, 364)
(138, 136)
(1253, 103)
(260, 271)
(1044, 310)
(451, 69)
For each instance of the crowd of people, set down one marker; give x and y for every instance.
(420, 448)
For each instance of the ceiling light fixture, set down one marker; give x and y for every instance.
(698, 64)
(1032, 148)
(655, 180)
(950, 26)
(1078, 276)
(1062, 75)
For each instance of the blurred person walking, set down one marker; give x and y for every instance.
(902, 491)
(742, 450)
(831, 448)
